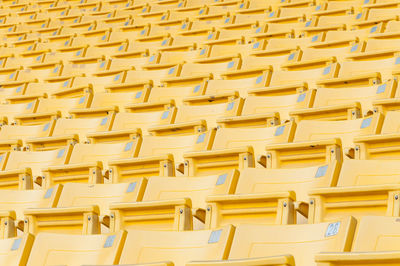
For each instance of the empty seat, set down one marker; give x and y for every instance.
(286, 244)
(50, 249)
(86, 204)
(372, 244)
(383, 145)
(178, 197)
(269, 196)
(166, 246)
(15, 251)
(236, 147)
(316, 142)
(364, 187)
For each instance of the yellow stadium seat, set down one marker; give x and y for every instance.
(158, 156)
(13, 137)
(286, 244)
(81, 202)
(15, 251)
(345, 103)
(166, 246)
(168, 202)
(372, 244)
(21, 168)
(262, 110)
(191, 119)
(236, 148)
(364, 187)
(82, 249)
(68, 131)
(318, 142)
(51, 108)
(269, 196)
(383, 145)
(86, 163)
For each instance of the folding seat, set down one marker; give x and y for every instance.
(67, 131)
(282, 192)
(383, 145)
(177, 197)
(104, 103)
(78, 202)
(15, 251)
(236, 148)
(14, 202)
(82, 249)
(358, 72)
(225, 50)
(51, 108)
(334, 8)
(13, 137)
(344, 103)
(323, 24)
(159, 156)
(126, 126)
(263, 111)
(166, 246)
(372, 244)
(374, 49)
(364, 187)
(285, 244)
(87, 162)
(316, 56)
(21, 168)
(192, 118)
(9, 112)
(317, 142)
(391, 31)
(100, 80)
(185, 12)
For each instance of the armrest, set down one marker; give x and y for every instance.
(184, 127)
(268, 208)
(205, 161)
(388, 104)
(365, 79)
(377, 146)
(307, 63)
(174, 214)
(303, 153)
(8, 228)
(325, 202)
(267, 119)
(93, 112)
(125, 169)
(84, 220)
(37, 118)
(50, 143)
(336, 112)
(361, 258)
(20, 179)
(282, 260)
(105, 136)
(279, 90)
(80, 172)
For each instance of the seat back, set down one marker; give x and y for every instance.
(154, 246)
(15, 251)
(51, 249)
(302, 241)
